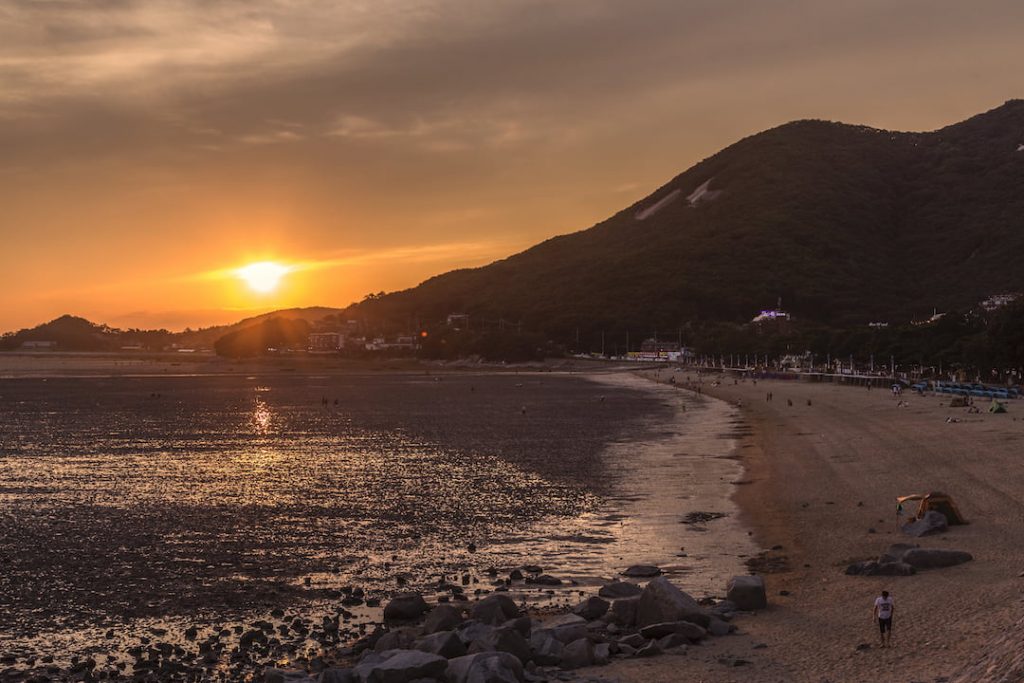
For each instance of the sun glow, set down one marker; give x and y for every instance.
(262, 277)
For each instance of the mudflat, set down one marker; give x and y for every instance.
(824, 464)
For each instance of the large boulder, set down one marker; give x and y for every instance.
(495, 610)
(471, 630)
(591, 608)
(578, 654)
(400, 666)
(687, 629)
(442, 618)
(337, 676)
(623, 611)
(547, 649)
(399, 639)
(619, 589)
(485, 667)
(872, 568)
(405, 606)
(747, 592)
(503, 640)
(443, 643)
(663, 601)
(895, 552)
(932, 558)
(933, 522)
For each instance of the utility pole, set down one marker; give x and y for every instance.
(602, 343)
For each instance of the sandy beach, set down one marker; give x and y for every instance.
(824, 464)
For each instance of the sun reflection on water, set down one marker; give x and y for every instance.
(261, 418)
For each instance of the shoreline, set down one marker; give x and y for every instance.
(823, 465)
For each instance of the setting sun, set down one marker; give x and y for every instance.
(262, 277)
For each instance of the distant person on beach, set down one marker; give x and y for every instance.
(882, 611)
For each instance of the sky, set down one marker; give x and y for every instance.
(150, 149)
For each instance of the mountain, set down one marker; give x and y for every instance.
(847, 224)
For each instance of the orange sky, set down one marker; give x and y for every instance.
(146, 147)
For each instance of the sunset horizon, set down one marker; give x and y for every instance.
(518, 341)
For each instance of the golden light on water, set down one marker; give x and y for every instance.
(263, 276)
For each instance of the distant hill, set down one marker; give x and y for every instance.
(72, 333)
(208, 335)
(847, 224)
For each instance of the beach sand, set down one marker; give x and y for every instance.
(818, 478)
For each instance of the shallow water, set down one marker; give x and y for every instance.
(141, 500)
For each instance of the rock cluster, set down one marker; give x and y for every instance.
(492, 641)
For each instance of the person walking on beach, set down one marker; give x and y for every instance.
(883, 611)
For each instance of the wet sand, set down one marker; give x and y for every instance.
(137, 504)
(819, 478)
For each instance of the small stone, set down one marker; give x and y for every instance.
(641, 571)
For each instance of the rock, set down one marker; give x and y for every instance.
(578, 654)
(747, 592)
(400, 666)
(485, 667)
(627, 650)
(399, 639)
(286, 676)
(443, 643)
(442, 618)
(250, 637)
(337, 676)
(547, 649)
(895, 552)
(662, 601)
(724, 609)
(602, 653)
(495, 610)
(522, 624)
(717, 627)
(471, 630)
(634, 640)
(405, 606)
(651, 649)
(933, 522)
(619, 589)
(565, 620)
(545, 580)
(591, 608)
(503, 640)
(672, 641)
(872, 568)
(623, 611)
(642, 571)
(933, 558)
(687, 629)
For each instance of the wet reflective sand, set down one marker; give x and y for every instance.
(132, 501)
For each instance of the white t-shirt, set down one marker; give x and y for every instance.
(884, 606)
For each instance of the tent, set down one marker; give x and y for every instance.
(997, 407)
(939, 502)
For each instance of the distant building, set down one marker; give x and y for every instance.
(934, 318)
(458, 320)
(771, 315)
(878, 325)
(999, 300)
(655, 350)
(38, 345)
(326, 342)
